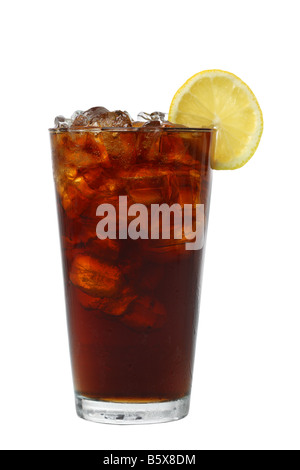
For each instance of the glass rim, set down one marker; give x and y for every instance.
(98, 130)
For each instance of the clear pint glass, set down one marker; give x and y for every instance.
(128, 204)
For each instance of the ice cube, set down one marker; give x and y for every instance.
(147, 185)
(189, 228)
(187, 148)
(113, 306)
(76, 114)
(151, 125)
(85, 118)
(120, 147)
(114, 119)
(72, 200)
(188, 183)
(155, 116)
(79, 235)
(154, 144)
(73, 191)
(61, 122)
(163, 251)
(81, 185)
(137, 123)
(101, 117)
(95, 278)
(94, 151)
(173, 149)
(94, 177)
(118, 305)
(80, 149)
(89, 302)
(148, 143)
(145, 313)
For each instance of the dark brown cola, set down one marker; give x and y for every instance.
(132, 304)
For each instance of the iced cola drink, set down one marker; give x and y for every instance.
(128, 199)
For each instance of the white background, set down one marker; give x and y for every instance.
(61, 56)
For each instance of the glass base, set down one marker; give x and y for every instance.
(131, 413)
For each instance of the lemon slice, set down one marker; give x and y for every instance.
(214, 98)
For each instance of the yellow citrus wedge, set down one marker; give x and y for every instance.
(214, 98)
